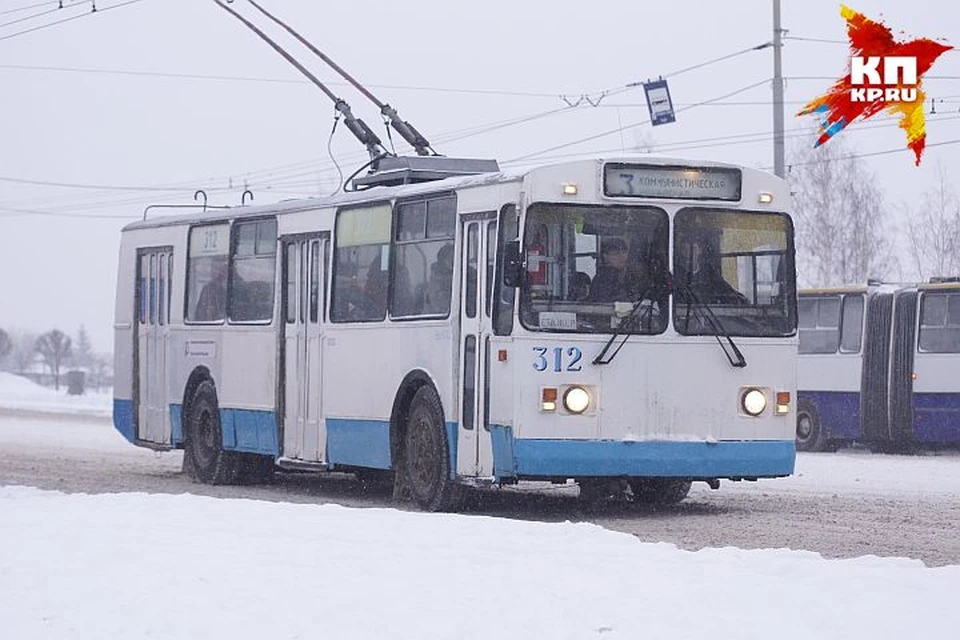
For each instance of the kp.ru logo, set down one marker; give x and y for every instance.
(897, 71)
(885, 75)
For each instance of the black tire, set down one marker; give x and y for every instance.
(204, 457)
(425, 462)
(809, 430)
(659, 490)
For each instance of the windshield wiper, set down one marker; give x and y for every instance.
(622, 329)
(705, 313)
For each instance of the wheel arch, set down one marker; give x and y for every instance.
(407, 389)
(198, 375)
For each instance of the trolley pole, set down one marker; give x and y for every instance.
(778, 151)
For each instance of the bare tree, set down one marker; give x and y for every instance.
(6, 345)
(934, 231)
(24, 351)
(83, 353)
(99, 370)
(54, 346)
(841, 218)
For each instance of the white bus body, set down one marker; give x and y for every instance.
(311, 365)
(877, 366)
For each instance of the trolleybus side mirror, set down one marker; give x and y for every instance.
(512, 264)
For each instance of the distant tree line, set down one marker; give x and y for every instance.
(19, 353)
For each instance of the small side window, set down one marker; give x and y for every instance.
(504, 297)
(851, 324)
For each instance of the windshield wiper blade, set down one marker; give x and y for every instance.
(731, 350)
(628, 323)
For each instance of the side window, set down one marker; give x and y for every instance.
(504, 297)
(851, 324)
(361, 259)
(491, 264)
(423, 260)
(207, 254)
(819, 324)
(940, 322)
(253, 272)
(470, 277)
(290, 275)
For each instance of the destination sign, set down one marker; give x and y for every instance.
(681, 183)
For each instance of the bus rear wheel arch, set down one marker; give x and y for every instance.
(425, 463)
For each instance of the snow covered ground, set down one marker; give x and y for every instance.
(17, 392)
(183, 566)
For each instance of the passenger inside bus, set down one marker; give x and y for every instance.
(615, 279)
(579, 286)
(212, 302)
(441, 281)
(697, 274)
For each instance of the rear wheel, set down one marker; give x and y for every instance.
(660, 490)
(809, 431)
(425, 465)
(204, 458)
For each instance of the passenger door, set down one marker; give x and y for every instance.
(474, 451)
(304, 293)
(154, 271)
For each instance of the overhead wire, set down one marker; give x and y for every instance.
(75, 17)
(31, 6)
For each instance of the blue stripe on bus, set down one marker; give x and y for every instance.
(123, 418)
(176, 424)
(839, 412)
(583, 458)
(249, 431)
(452, 435)
(359, 443)
(936, 417)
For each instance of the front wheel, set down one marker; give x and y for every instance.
(425, 465)
(660, 490)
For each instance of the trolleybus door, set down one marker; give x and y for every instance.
(474, 452)
(304, 436)
(154, 268)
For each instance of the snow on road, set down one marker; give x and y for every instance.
(161, 566)
(183, 566)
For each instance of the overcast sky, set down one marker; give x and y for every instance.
(102, 101)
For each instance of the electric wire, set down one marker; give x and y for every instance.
(75, 17)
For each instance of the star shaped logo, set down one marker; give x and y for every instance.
(884, 75)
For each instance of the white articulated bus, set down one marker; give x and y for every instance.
(877, 366)
(629, 321)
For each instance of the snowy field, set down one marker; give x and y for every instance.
(22, 394)
(183, 566)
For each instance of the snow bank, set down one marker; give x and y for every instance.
(18, 393)
(162, 566)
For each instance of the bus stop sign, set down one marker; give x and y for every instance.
(658, 100)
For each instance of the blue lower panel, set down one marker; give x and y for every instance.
(936, 418)
(573, 458)
(249, 431)
(359, 443)
(839, 412)
(176, 424)
(123, 418)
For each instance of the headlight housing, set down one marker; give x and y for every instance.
(753, 402)
(576, 400)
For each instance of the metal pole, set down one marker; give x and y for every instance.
(778, 151)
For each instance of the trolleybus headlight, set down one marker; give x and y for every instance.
(754, 402)
(576, 400)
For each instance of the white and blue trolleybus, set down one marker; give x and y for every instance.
(447, 323)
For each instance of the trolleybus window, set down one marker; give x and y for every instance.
(504, 296)
(423, 258)
(851, 324)
(253, 270)
(940, 322)
(589, 267)
(733, 274)
(361, 260)
(207, 273)
(819, 324)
